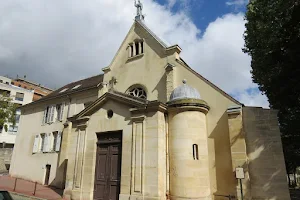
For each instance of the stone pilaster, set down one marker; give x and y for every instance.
(170, 80)
(238, 149)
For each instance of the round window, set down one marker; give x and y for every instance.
(110, 114)
(138, 92)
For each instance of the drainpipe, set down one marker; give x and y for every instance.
(167, 158)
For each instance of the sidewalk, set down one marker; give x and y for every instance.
(27, 188)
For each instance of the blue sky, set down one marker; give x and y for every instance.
(202, 12)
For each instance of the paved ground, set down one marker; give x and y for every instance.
(27, 188)
(15, 196)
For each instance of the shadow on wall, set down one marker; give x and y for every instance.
(264, 149)
(225, 182)
(263, 159)
(60, 178)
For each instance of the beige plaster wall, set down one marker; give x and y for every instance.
(31, 125)
(151, 183)
(264, 149)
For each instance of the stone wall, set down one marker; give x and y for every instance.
(265, 156)
(5, 157)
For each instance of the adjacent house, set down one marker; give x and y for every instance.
(19, 96)
(149, 127)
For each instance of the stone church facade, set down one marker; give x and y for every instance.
(150, 128)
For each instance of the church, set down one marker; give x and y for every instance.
(150, 128)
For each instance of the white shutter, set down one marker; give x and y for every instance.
(52, 113)
(61, 114)
(36, 144)
(45, 116)
(58, 141)
(45, 147)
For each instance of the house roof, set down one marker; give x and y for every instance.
(77, 86)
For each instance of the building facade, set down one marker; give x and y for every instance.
(19, 96)
(39, 90)
(149, 128)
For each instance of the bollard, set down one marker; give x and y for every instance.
(34, 188)
(15, 184)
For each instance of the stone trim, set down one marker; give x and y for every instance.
(188, 108)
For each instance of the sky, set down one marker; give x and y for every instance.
(56, 42)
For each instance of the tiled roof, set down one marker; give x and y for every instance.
(73, 87)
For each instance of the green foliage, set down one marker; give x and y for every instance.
(272, 39)
(7, 111)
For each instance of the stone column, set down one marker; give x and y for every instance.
(188, 151)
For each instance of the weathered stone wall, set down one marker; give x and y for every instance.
(265, 156)
(5, 158)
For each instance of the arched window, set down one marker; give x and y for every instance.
(137, 91)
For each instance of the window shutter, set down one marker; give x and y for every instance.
(61, 112)
(52, 113)
(48, 114)
(44, 116)
(58, 141)
(36, 144)
(45, 147)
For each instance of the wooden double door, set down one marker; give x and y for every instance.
(108, 166)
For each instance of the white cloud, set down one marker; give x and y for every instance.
(254, 98)
(237, 3)
(55, 42)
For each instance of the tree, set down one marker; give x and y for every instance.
(7, 111)
(272, 39)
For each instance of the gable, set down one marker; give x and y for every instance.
(111, 96)
(145, 69)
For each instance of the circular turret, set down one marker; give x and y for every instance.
(185, 95)
(188, 148)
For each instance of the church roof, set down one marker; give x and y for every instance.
(140, 22)
(77, 86)
(184, 91)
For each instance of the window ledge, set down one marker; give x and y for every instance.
(135, 57)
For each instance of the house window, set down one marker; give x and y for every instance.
(19, 96)
(63, 90)
(1, 81)
(59, 112)
(17, 116)
(76, 87)
(12, 129)
(56, 141)
(42, 147)
(1, 128)
(53, 113)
